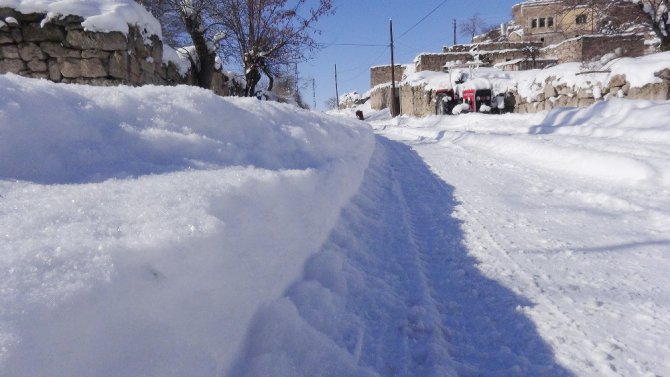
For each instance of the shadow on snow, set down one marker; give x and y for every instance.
(394, 292)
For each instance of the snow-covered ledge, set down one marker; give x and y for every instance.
(96, 42)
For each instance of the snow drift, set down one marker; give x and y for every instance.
(142, 228)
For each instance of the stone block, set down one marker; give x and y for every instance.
(563, 90)
(36, 65)
(9, 52)
(147, 67)
(118, 65)
(550, 91)
(56, 50)
(34, 32)
(6, 38)
(585, 93)
(617, 81)
(70, 68)
(135, 71)
(586, 102)
(657, 91)
(30, 51)
(54, 71)
(664, 74)
(70, 20)
(12, 65)
(92, 68)
(38, 75)
(156, 49)
(17, 35)
(86, 40)
(8, 12)
(103, 82)
(89, 54)
(30, 17)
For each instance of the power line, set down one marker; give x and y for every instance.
(423, 19)
(324, 45)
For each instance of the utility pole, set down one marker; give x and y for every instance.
(337, 94)
(454, 23)
(395, 96)
(314, 93)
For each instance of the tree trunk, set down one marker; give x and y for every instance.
(665, 43)
(204, 71)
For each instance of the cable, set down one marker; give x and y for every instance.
(352, 44)
(421, 20)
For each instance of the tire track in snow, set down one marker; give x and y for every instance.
(394, 292)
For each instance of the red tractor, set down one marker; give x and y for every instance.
(477, 100)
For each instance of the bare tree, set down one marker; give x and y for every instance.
(288, 85)
(657, 15)
(264, 35)
(331, 103)
(616, 16)
(261, 35)
(473, 26)
(194, 19)
(600, 16)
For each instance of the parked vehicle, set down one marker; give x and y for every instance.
(447, 101)
(465, 94)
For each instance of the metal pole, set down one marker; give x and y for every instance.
(337, 95)
(395, 98)
(314, 93)
(454, 22)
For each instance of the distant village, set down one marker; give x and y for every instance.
(542, 33)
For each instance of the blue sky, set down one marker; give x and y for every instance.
(367, 22)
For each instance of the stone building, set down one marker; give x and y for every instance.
(382, 74)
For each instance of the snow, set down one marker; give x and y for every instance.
(99, 15)
(569, 210)
(163, 231)
(142, 228)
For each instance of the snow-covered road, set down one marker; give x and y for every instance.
(396, 293)
(571, 213)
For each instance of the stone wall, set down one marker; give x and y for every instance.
(419, 101)
(434, 62)
(414, 100)
(590, 47)
(618, 86)
(382, 74)
(595, 46)
(62, 51)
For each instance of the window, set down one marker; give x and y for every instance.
(533, 23)
(550, 22)
(581, 19)
(542, 40)
(542, 22)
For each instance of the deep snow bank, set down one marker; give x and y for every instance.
(142, 228)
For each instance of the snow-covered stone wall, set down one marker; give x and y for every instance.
(62, 49)
(555, 94)
(564, 85)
